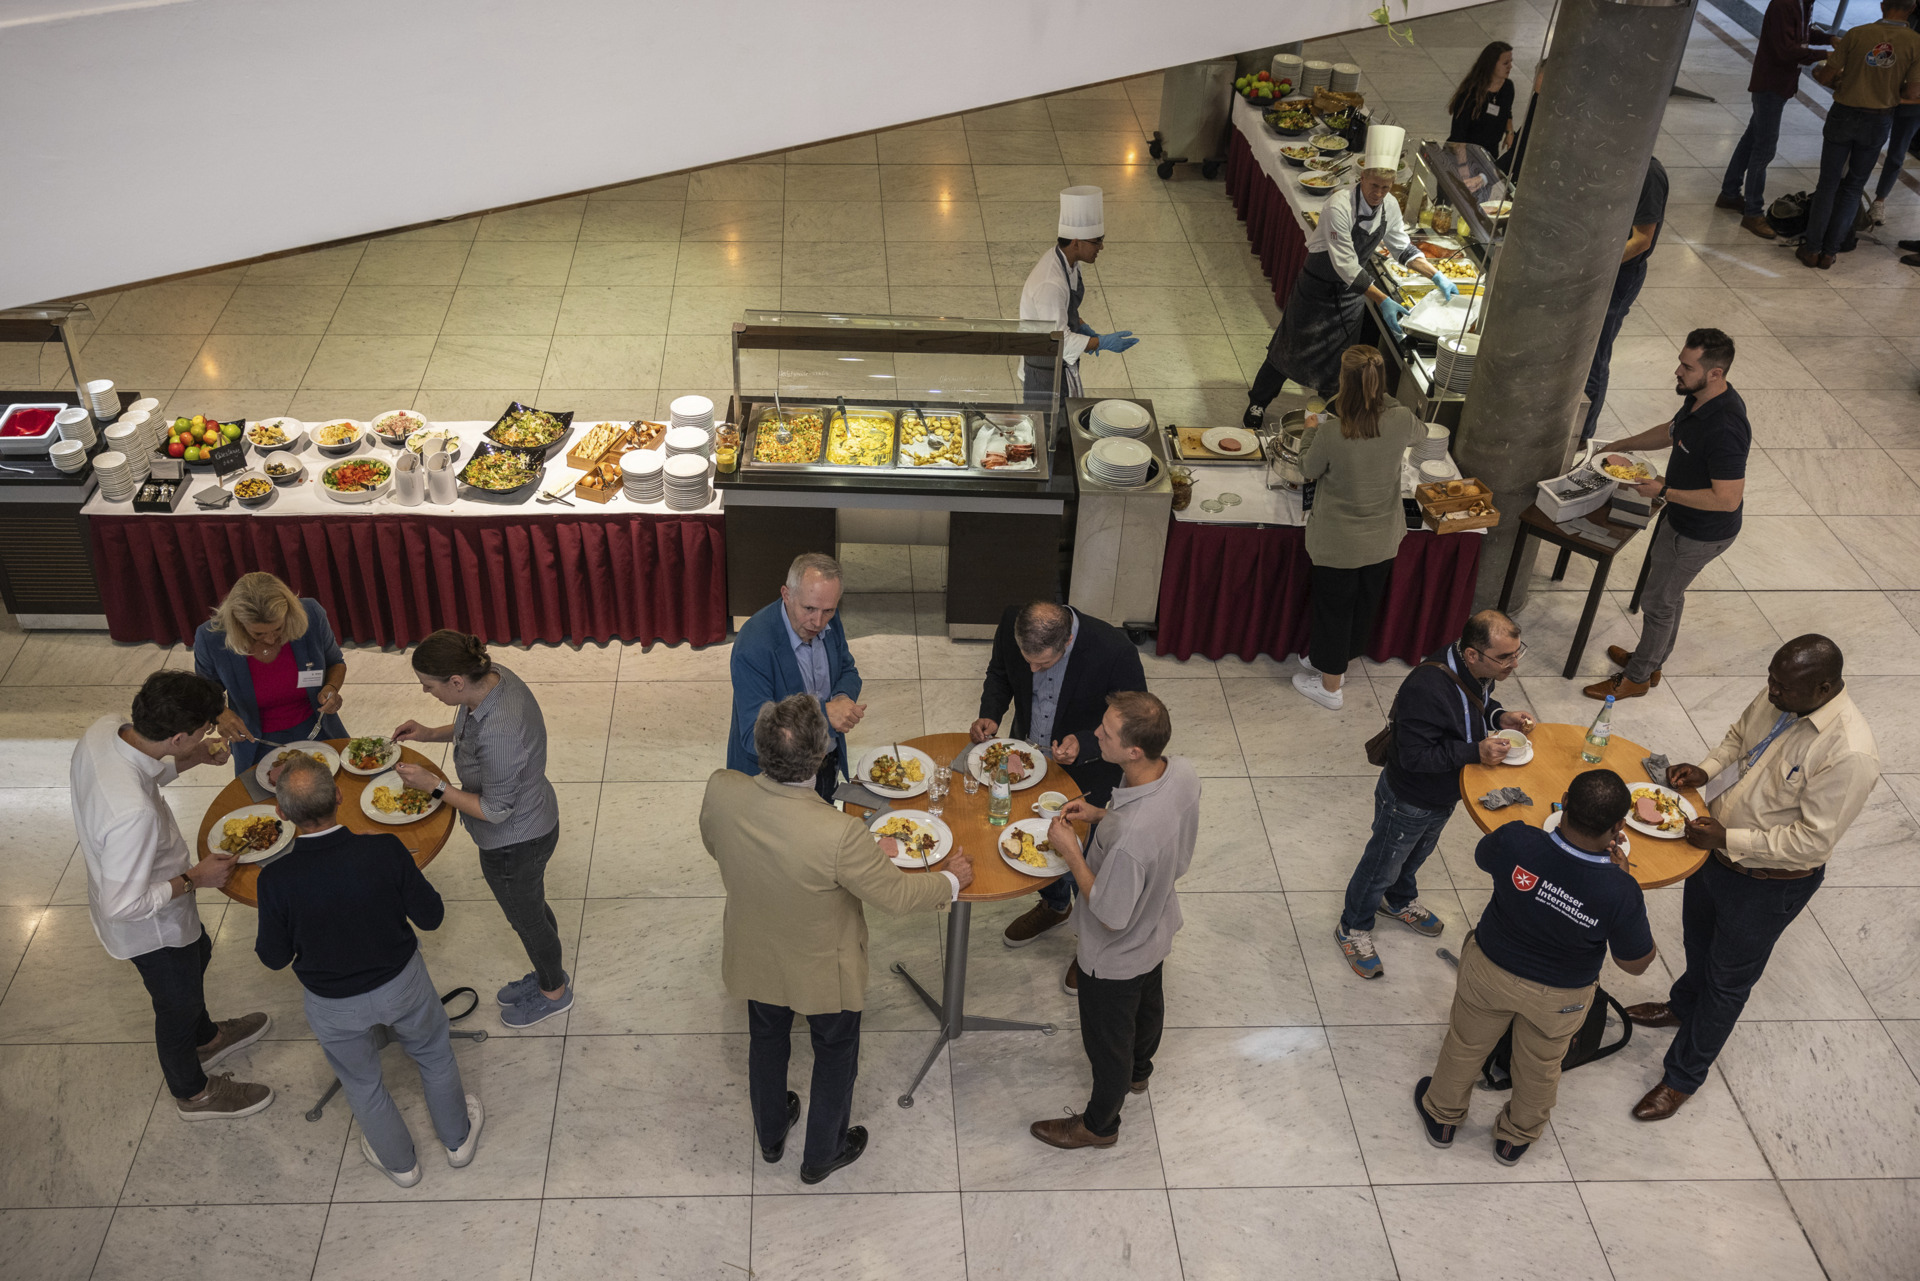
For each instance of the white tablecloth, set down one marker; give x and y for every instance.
(1266, 150)
(306, 497)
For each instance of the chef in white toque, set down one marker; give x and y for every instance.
(1053, 292)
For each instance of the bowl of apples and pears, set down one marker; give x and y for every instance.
(193, 440)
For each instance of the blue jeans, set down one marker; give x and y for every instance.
(517, 875)
(1906, 123)
(1729, 925)
(1850, 144)
(1626, 288)
(1403, 836)
(1754, 153)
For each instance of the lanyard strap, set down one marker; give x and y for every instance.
(1753, 758)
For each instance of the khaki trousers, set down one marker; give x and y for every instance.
(1485, 1002)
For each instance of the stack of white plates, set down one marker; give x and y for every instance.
(1431, 448)
(692, 411)
(687, 485)
(117, 479)
(1345, 77)
(1287, 66)
(643, 470)
(68, 455)
(688, 440)
(1119, 418)
(73, 424)
(1454, 368)
(1120, 463)
(106, 403)
(1317, 74)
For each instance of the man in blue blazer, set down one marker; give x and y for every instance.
(797, 645)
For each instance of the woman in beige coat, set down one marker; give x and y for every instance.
(1355, 526)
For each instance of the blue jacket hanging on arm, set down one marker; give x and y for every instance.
(764, 671)
(315, 651)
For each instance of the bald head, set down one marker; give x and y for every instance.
(306, 795)
(1805, 674)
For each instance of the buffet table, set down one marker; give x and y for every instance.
(1268, 197)
(501, 568)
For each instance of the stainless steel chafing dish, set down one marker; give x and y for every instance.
(940, 439)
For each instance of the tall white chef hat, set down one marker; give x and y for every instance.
(1080, 214)
(1383, 147)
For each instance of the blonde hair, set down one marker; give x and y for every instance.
(259, 600)
(1363, 392)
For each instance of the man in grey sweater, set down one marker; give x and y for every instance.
(1143, 844)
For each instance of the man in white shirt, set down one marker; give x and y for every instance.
(1053, 293)
(141, 882)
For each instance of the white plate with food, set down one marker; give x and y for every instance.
(924, 839)
(340, 436)
(984, 756)
(1628, 469)
(369, 756)
(898, 779)
(275, 754)
(254, 832)
(1671, 809)
(394, 426)
(386, 799)
(1553, 821)
(356, 480)
(1026, 841)
(1231, 441)
(270, 434)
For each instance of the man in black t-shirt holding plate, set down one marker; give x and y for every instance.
(1705, 488)
(1560, 901)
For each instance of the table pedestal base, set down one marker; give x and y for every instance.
(951, 1008)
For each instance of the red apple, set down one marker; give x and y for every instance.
(176, 449)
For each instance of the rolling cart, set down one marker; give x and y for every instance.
(1195, 103)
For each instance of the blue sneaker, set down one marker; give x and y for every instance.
(1357, 947)
(1438, 1134)
(1509, 1153)
(1415, 917)
(536, 1007)
(522, 988)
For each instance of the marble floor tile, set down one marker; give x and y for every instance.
(647, 844)
(1876, 936)
(677, 662)
(1458, 1232)
(1318, 828)
(394, 361)
(51, 1245)
(1887, 547)
(475, 947)
(1850, 482)
(1876, 638)
(1417, 986)
(1800, 1086)
(668, 730)
(1883, 700)
(1738, 1231)
(279, 309)
(1070, 1235)
(1885, 415)
(73, 1116)
(486, 360)
(1721, 634)
(390, 309)
(1862, 1229)
(496, 1241)
(1271, 721)
(1236, 963)
(1878, 849)
(228, 361)
(655, 220)
(185, 308)
(237, 983)
(83, 658)
(696, 1238)
(492, 310)
(1233, 851)
(36, 843)
(214, 1242)
(652, 1116)
(653, 965)
(65, 955)
(1855, 362)
(877, 1234)
(656, 264)
(1231, 1233)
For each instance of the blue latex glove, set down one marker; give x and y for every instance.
(1446, 287)
(1117, 341)
(1390, 313)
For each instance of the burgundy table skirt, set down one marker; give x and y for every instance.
(1276, 237)
(392, 579)
(1242, 590)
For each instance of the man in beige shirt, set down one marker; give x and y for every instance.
(1781, 790)
(797, 871)
(1872, 70)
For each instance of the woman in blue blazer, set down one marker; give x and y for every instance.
(274, 654)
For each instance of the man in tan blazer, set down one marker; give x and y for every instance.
(797, 871)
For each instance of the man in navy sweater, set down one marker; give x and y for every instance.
(336, 907)
(1445, 716)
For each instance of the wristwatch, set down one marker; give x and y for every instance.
(439, 791)
(1663, 490)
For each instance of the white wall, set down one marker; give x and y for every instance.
(159, 136)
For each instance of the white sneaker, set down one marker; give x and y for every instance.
(1306, 665)
(406, 1180)
(1310, 686)
(461, 1157)
(1878, 213)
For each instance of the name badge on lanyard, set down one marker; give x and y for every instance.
(311, 678)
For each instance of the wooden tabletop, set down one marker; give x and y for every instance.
(423, 837)
(967, 816)
(1556, 760)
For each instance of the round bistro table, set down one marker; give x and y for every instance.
(993, 881)
(1655, 861)
(424, 837)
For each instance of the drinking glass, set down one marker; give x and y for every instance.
(973, 784)
(937, 787)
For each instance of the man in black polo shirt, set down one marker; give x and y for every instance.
(1705, 486)
(1559, 902)
(1648, 214)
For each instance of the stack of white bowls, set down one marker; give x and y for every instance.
(118, 483)
(1120, 463)
(1119, 418)
(146, 405)
(1317, 74)
(687, 484)
(1431, 448)
(692, 411)
(74, 424)
(1287, 66)
(146, 429)
(1454, 368)
(103, 398)
(644, 474)
(688, 440)
(1345, 77)
(129, 439)
(68, 455)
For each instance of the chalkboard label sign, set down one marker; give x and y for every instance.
(229, 458)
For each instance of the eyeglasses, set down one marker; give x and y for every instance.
(1504, 660)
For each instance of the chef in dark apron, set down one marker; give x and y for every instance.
(1326, 313)
(1053, 292)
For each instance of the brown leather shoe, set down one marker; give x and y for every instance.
(1617, 685)
(1760, 227)
(1138, 1087)
(1621, 657)
(225, 1099)
(1662, 1101)
(1652, 1014)
(1070, 1132)
(1025, 929)
(1734, 203)
(1825, 262)
(233, 1036)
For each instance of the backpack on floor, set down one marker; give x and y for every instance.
(1497, 1071)
(1788, 214)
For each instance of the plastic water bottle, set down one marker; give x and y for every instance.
(1596, 745)
(1000, 796)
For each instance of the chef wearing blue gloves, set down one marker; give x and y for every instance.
(1326, 313)
(1053, 292)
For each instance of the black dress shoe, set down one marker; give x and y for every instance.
(856, 1146)
(1910, 244)
(771, 1153)
(1255, 415)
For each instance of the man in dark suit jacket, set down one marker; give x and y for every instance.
(797, 645)
(1056, 666)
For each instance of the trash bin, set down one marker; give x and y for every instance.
(1195, 102)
